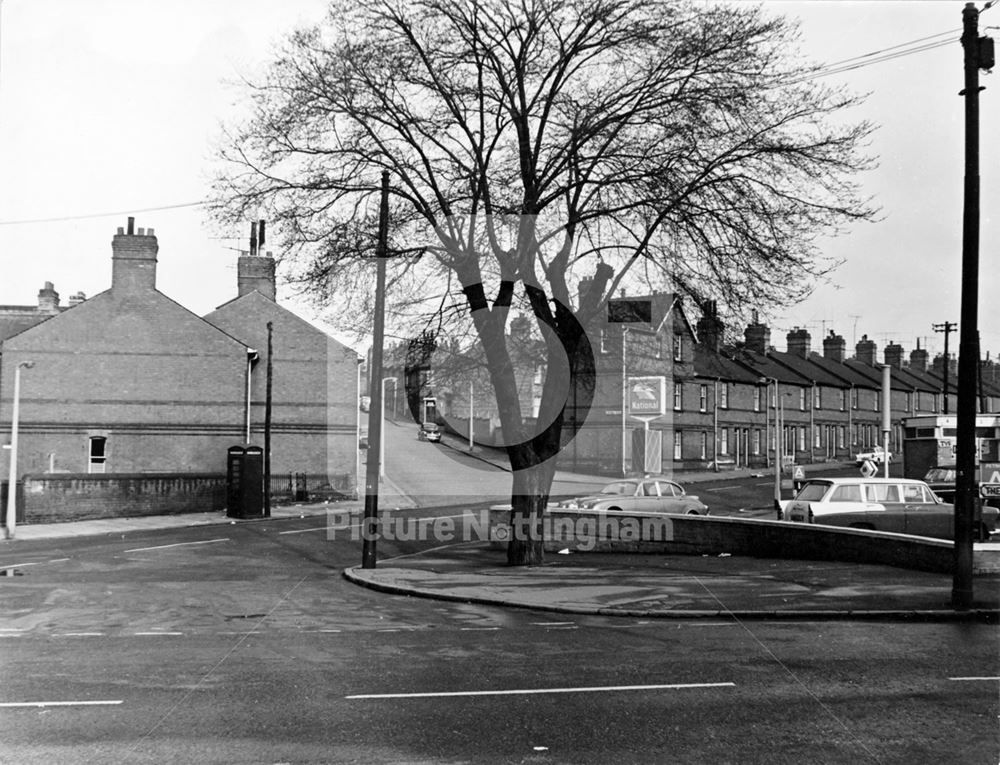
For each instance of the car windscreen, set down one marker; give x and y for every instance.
(940, 475)
(813, 491)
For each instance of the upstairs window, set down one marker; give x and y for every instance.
(702, 398)
(678, 348)
(724, 395)
(756, 398)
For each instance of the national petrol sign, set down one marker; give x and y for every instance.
(647, 397)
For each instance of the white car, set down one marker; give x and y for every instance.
(877, 455)
(900, 505)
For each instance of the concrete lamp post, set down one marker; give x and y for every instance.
(778, 427)
(12, 480)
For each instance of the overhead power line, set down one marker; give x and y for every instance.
(99, 215)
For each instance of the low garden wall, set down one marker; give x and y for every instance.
(583, 531)
(57, 497)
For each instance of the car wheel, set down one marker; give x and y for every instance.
(691, 511)
(614, 509)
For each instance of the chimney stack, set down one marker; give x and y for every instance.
(834, 347)
(710, 327)
(799, 343)
(866, 351)
(133, 259)
(893, 354)
(255, 273)
(918, 358)
(757, 337)
(48, 299)
(76, 299)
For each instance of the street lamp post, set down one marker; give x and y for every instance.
(12, 480)
(778, 425)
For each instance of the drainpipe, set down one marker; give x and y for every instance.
(252, 356)
(715, 425)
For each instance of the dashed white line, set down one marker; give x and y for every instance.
(551, 624)
(316, 528)
(155, 634)
(80, 634)
(477, 629)
(974, 679)
(535, 691)
(14, 704)
(21, 565)
(724, 488)
(178, 544)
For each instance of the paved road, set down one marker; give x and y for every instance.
(244, 644)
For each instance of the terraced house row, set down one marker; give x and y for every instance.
(726, 403)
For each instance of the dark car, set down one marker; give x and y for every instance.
(429, 431)
(942, 479)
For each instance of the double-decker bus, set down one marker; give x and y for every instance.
(929, 441)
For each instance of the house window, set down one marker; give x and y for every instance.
(909, 402)
(841, 437)
(802, 439)
(843, 400)
(756, 398)
(724, 395)
(936, 401)
(817, 437)
(98, 454)
(724, 441)
(603, 341)
(755, 441)
(678, 440)
(854, 398)
(817, 398)
(677, 397)
(702, 398)
(704, 445)
(875, 401)
(678, 348)
(802, 399)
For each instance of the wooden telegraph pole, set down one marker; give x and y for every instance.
(978, 55)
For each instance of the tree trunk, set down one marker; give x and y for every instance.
(528, 499)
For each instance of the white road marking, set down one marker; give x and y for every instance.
(317, 528)
(79, 634)
(13, 704)
(59, 560)
(724, 488)
(157, 633)
(178, 544)
(477, 629)
(972, 679)
(534, 691)
(21, 565)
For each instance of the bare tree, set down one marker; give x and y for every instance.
(535, 143)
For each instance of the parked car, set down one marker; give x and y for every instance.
(901, 505)
(877, 455)
(429, 431)
(942, 479)
(644, 495)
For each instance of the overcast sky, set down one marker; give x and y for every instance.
(112, 106)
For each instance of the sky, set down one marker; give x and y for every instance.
(112, 108)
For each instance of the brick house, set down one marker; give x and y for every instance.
(131, 382)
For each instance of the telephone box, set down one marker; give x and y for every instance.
(245, 482)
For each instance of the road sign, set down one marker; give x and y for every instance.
(799, 474)
(868, 469)
(989, 490)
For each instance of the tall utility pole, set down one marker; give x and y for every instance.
(948, 327)
(978, 55)
(369, 528)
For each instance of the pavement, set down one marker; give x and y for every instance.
(634, 585)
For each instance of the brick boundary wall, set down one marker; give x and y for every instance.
(60, 497)
(753, 537)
